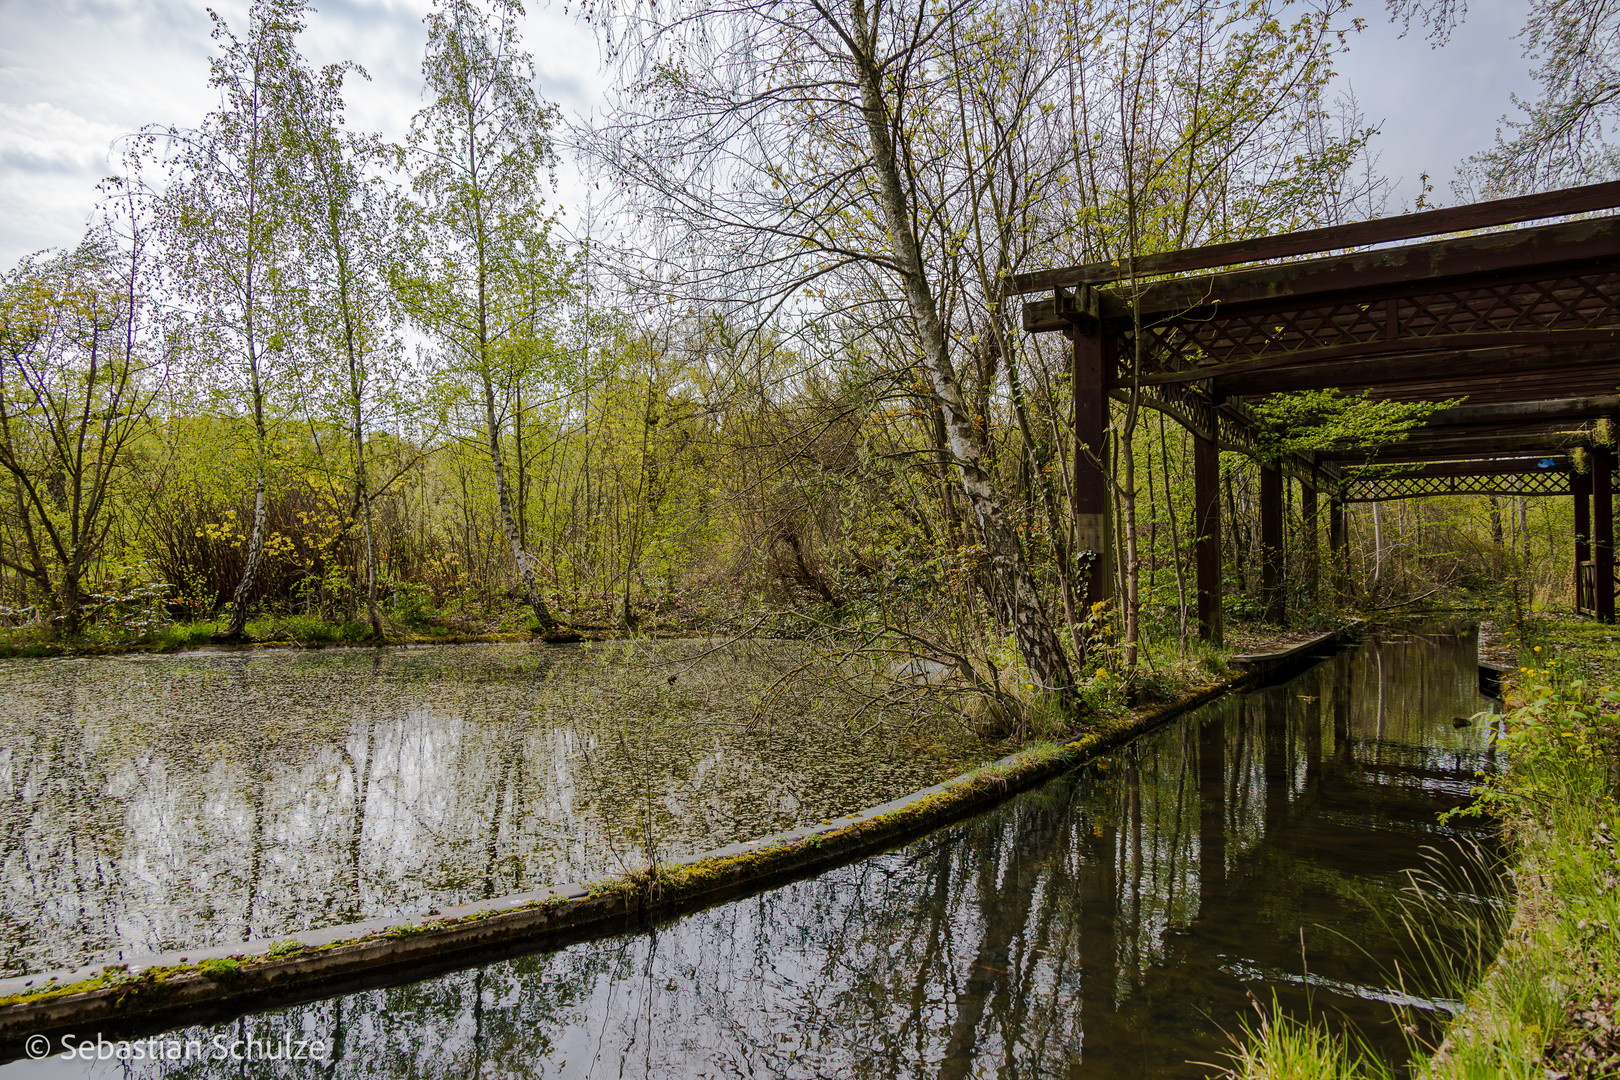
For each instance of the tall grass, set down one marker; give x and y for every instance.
(1282, 1047)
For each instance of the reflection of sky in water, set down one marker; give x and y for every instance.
(1107, 924)
(153, 802)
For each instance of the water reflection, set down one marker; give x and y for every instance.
(1109, 923)
(171, 802)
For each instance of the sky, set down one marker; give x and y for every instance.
(77, 74)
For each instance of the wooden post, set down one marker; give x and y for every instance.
(1580, 487)
(1211, 806)
(1271, 544)
(1308, 511)
(1207, 536)
(1090, 461)
(1603, 533)
(1338, 549)
(1277, 759)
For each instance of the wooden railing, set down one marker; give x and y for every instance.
(1586, 587)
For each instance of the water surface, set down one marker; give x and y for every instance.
(171, 802)
(1116, 922)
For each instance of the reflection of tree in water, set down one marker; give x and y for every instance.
(167, 802)
(64, 873)
(1108, 924)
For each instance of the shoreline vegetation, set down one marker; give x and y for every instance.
(1546, 1005)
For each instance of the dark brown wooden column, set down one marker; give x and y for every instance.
(1271, 544)
(1580, 489)
(1308, 512)
(1278, 758)
(1207, 533)
(1090, 461)
(1338, 549)
(1603, 533)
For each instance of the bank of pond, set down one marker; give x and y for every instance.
(1122, 919)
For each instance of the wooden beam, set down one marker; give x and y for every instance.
(1090, 501)
(1535, 252)
(1603, 534)
(1507, 414)
(1455, 374)
(1524, 435)
(1507, 391)
(1471, 447)
(1207, 537)
(1460, 353)
(1581, 493)
(1309, 241)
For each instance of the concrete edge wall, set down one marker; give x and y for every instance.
(158, 992)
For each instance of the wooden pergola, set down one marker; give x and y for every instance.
(1521, 323)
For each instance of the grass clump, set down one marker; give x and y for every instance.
(221, 969)
(1281, 1047)
(307, 630)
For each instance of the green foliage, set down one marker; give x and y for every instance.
(413, 604)
(221, 969)
(1308, 420)
(1560, 737)
(126, 603)
(308, 630)
(185, 635)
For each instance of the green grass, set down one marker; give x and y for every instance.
(299, 629)
(1280, 1047)
(1558, 800)
(189, 635)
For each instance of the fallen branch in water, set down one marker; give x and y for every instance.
(1403, 603)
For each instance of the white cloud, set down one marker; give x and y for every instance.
(76, 75)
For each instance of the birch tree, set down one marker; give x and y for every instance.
(224, 225)
(481, 153)
(341, 217)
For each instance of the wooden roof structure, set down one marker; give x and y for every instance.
(1522, 323)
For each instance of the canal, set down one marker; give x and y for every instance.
(1125, 919)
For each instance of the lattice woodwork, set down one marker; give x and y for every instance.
(1389, 488)
(1584, 301)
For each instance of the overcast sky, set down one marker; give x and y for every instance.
(76, 74)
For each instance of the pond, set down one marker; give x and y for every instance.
(172, 802)
(1121, 920)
